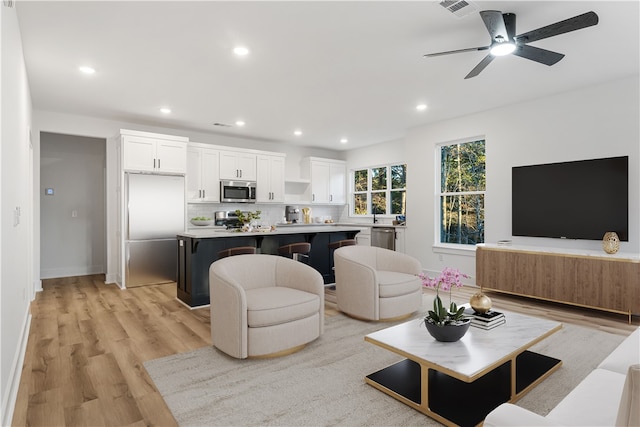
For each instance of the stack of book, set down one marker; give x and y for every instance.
(488, 320)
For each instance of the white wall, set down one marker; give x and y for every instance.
(16, 197)
(74, 167)
(384, 153)
(595, 122)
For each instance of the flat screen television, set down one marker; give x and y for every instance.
(573, 200)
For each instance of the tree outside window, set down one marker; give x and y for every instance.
(462, 192)
(380, 190)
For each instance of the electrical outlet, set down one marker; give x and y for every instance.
(441, 257)
(74, 213)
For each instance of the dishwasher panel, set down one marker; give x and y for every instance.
(383, 237)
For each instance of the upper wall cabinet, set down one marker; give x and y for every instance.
(203, 173)
(237, 165)
(328, 180)
(149, 152)
(270, 179)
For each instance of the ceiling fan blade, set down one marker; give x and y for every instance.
(542, 56)
(481, 66)
(449, 52)
(494, 22)
(510, 24)
(576, 23)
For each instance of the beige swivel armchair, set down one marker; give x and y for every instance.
(377, 284)
(264, 305)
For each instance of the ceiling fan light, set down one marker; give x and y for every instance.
(502, 49)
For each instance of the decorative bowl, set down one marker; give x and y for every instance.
(201, 222)
(448, 333)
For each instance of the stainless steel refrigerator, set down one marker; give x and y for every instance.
(155, 214)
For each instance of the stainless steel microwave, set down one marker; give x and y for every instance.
(238, 191)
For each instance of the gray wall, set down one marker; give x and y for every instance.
(74, 166)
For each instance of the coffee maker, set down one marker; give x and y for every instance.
(292, 214)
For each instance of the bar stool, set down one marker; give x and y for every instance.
(238, 250)
(297, 251)
(341, 243)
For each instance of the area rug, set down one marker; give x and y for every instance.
(323, 385)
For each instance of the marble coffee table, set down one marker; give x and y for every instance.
(460, 383)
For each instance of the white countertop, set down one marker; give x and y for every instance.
(206, 233)
(345, 224)
(563, 251)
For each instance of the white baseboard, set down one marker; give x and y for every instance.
(37, 286)
(10, 395)
(111, 278)
(52, 273)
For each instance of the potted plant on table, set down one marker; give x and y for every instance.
(445, 323)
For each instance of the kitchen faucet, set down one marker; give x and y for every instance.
(375, 220)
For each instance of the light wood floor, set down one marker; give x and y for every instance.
(88, 340)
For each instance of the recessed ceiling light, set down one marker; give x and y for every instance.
(86, 69)
(297, 132)
(165, 110)
(421, 107)
(344, 141)
(240, 123)
(241, 51)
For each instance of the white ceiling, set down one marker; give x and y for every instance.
(333, 69)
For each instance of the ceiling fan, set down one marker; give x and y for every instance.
(502, 29)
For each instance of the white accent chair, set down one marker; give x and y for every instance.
(264, 305)
(376, 284)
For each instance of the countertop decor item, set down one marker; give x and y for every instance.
(611, 242)
(306, 215)
(441, 317)
(247, 217)
(480, 302)
(201, 221)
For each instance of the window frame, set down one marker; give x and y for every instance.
(370, 192)
(438, 245)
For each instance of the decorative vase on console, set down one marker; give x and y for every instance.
(445, 324)
(611, 242)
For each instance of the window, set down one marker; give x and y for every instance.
(461, 192)
(380, 190)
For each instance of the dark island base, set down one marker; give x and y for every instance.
(195, 256)
(465, 404)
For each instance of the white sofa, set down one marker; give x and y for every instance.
(608, 396)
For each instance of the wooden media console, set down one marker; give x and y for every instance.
(601, 282)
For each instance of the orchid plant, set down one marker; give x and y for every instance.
(440, 315)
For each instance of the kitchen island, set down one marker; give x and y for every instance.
(198, 249)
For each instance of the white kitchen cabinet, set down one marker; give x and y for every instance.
(328, 180)
(363, 238)
(146, 152)
(269, 179)
(203, 174)
(320, 182)
(237, 165)
(338, 181)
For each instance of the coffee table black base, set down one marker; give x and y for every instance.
(462, 403)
